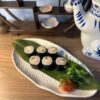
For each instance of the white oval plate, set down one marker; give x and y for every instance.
(44, 81)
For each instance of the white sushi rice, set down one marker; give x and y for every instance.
(52, 50)
(47, 60)
(29, 49)
(60, 61)
(41, 49)
(34, 60)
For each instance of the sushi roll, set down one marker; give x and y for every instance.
(52, 51)
(61, 63)
(29, 50)
(41, 51)
(47, 62)
(35, 62)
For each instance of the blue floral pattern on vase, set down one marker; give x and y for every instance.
(88, 53)
(95, 11)
(98, 51)
(97, 24)
(80, 19)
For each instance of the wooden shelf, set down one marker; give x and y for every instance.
(29, 26)
(14, 4)
(55, 11)
(60, 28)
(20, 4)
(30, 5)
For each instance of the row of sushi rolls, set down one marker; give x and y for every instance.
(49, 58)
(42, 57)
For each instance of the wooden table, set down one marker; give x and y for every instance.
(14, 86)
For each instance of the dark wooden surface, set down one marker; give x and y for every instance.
(14, 86)
(30, 26)
(18, 5)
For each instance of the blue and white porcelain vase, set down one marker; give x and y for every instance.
(89, 24)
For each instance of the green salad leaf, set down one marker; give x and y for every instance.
(74, 72)
(82, 78)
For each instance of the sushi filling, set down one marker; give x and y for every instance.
(35, 61)
(41, 50)
(47, 61)
(52, 50)
(60, 61)
(29, 49)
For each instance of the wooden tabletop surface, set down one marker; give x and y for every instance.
(14, 86)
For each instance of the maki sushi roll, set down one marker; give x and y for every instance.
(41, 51)
(52, 51)
(35, 62)
(29, 50)
(61, 63)
(47, 62)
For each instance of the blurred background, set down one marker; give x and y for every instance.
(26, 14)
